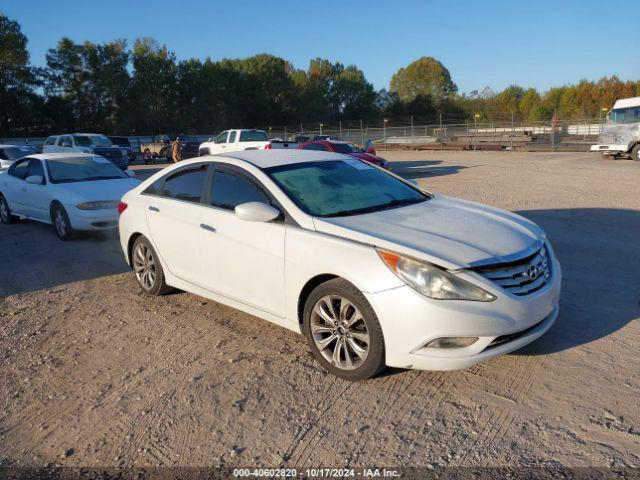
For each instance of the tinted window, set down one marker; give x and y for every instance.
(232, 137)
(222, 138)
(230, 190)
(20, 169)
(345, 148)
(92, 140)
(50, 141)
(154, 188)
(65, 142)
(185, 185)
(253, 136)
(35, 168)
(14, 153)
(343, 187)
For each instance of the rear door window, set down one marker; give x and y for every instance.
(35, 168)
(20, 169)
(185, 185)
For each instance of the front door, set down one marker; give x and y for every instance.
(36, 197)
(241, 260)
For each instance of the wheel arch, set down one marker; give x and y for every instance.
(132, 239)
(309, 287)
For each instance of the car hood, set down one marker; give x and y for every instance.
(99, 189)
(449, 232)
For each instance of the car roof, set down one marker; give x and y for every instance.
(276, 158)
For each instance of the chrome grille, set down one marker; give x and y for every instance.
(520, 277)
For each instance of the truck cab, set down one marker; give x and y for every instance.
(620, 134)
(235, 140)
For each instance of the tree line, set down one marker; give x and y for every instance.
(144, 89)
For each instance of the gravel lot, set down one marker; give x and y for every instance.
(92, 373)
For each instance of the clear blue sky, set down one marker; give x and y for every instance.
(494, 43)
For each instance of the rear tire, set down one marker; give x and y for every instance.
(343, 331)
(61, 223)
(148, 269)
(635, 153)
(5, 212)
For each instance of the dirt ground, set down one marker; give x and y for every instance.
(93, 373)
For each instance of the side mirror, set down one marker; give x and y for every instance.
(35, 180)
(130, 173)
(256, 212)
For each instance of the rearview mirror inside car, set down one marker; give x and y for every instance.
(35, 180)
(256, 212)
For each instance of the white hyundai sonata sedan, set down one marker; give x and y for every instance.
(371, 269)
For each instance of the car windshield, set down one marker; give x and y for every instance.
(14, 153)
(345, 148)
(82, 169)
(338, 188)
(92, 141)
(625, 115)
(253, 136)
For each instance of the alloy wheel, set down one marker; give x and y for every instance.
(340, 332)
(4, 210)
(144, 266)
(61, 222)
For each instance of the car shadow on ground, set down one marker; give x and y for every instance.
(599, 252)
(424, 169)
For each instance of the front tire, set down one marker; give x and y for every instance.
(147, 268)
(343, 331)
(5, 212)
(61, 222)
(635, 153)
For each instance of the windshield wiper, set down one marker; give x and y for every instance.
(376, 208)
(104, 177)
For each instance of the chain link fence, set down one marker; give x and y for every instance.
(386, 134)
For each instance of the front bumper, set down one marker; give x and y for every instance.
(92, 220)
(410, 321)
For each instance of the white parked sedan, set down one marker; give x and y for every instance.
(373, 270)
(71, 191)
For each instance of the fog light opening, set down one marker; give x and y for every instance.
(452, 342)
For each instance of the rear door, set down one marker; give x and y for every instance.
(172, 218)
(16, 190)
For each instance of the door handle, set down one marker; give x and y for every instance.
(154, 209)
(208, 228)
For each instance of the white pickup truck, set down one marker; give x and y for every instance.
(620, 135)
(243, 139)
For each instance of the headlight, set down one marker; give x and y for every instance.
(433, 281)
(97, 205)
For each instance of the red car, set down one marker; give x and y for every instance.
(346, 148)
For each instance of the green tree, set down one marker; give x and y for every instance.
(152, 95)
(19, 104)
(91, 78)
(425, 76)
